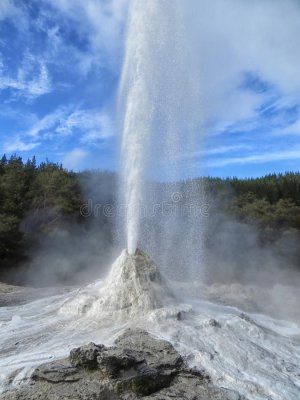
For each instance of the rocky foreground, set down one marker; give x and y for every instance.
(253, 355)
(138, 366)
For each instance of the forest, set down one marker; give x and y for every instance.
(36, 200)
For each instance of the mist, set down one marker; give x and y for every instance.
(227, 251)
(71, 250)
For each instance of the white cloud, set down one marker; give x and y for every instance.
(86, 126)
(101, 22)
(290, 130)
(90, 125)
(98, 24)
(7, 9)
(260, 158)
(230, 37)
(75, 158)
(31, 81)
(233, 37)
(17, 144)
(217, 150)
(99, 127)
(225, 149)
(48, 124)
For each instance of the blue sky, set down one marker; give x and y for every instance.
(60, 63)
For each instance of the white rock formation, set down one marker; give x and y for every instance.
(133, 287)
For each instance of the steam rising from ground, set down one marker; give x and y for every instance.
(159, 104)
(254, 355)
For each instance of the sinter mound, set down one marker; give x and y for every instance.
(133, 287)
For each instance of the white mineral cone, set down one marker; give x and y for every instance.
(133, 287)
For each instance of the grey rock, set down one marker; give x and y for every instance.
(137, 366)
(190, 386)
(160, 353)
(56, 373)
(213, 322)
(85, 356)
(113, 362)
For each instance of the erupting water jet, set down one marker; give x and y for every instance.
(160, 114)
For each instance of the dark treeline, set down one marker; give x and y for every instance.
(33, 200)
(36, 200)
(272, 201)
(271, 188)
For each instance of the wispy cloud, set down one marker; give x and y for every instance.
(259, 158)
(248, 86)
(17, 144)
(8, 9)
(100, 128)
(289, 130)
(102, 22)
(225, 149)
(31, 80)
(86, 126)
(235, 37)
(216, 150)
(47, 125)
(91, 125)
(48, 42)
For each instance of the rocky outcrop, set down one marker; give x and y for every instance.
(137, 366)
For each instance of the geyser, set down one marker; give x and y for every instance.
(159, 106)
(133, 287)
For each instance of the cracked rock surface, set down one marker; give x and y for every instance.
(137, 366)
